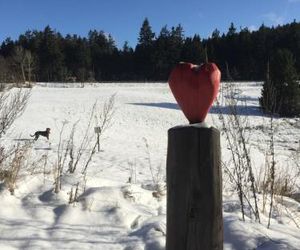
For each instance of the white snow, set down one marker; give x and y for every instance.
(110, 212)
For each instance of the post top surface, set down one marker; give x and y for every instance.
(194, 125)
(202, 125)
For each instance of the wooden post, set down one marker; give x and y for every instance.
(98, 132)
(194, 189)
(98, 141)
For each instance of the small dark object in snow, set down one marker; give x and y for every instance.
(42, 133)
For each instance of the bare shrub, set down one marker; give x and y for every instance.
(270, 107)
(76, 153)
(12, 105)
(23, 64)
(73, 195)
(77, 190)
(234, 127)
(132, 172)
(71, 156)
(284, 183)
(128, 193)
(157, 175)
(61, 159)
(14, 161)
(105, 114)
(70, 149)
(103, 119)
(276, 184)
(296, 159)
(65, 151)
(284, 187)
(19, 59)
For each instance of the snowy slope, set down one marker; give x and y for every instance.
(110, 212)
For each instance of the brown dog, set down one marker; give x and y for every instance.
(42, 133)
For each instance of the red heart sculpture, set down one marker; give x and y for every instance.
(195, 88)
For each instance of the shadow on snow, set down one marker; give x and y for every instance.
(225, 110)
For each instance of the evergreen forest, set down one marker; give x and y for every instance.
(48, 56)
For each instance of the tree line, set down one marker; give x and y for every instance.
(49, 56)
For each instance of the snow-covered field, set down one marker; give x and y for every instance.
(116, 208)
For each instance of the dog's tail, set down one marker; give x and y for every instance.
(32, 135)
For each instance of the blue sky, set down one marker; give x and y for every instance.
(123, 18)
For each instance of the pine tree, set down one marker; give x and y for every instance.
(231, 30)
(193, 50)
(144, 52)
(51, 66)
(281, 90)
(161, 53)
(268, 98)
(146, 36)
